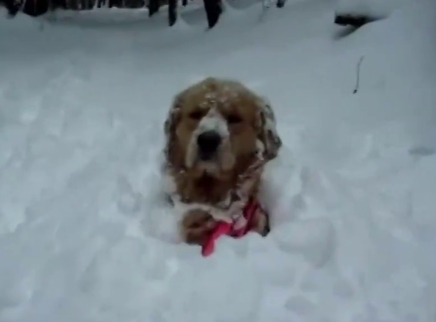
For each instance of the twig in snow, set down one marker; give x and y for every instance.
(358, 75)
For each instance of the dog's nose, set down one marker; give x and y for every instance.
(208, 143)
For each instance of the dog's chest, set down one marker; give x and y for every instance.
(206, 190)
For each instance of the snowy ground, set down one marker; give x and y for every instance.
(84, 235)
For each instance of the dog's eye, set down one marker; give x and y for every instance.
(234, 119)
(196, 115)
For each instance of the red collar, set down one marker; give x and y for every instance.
(229, 229)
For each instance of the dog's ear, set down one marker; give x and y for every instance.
(268, 132)
(170, 127)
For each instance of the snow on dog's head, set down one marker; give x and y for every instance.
(218, 125)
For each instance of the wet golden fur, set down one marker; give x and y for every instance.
(210, 183)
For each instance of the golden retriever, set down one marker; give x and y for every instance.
(219, 136)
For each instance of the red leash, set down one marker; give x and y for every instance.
(228, 229)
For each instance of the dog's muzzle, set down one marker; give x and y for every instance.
(208, 143)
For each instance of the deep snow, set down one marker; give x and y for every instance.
(85, 235)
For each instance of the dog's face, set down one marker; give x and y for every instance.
(215, 133)
(216, 125)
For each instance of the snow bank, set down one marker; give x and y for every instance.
(85, 233)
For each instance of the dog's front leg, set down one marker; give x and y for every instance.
(261, 223)
(197, 226)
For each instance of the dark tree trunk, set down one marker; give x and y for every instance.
(85, 4)
(55, 4)
(184, 3)
(72, 5)
(35, 8)
(213, 11)
(11, 6)
(115, 3)
(172, 12)
(153, 7)
(280, 3)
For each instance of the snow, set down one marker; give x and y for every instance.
(86, 235)
(373, 8)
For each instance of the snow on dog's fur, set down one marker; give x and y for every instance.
(219, 135)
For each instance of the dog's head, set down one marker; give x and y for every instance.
(215, 125)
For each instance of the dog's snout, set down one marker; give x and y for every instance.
(208, 142)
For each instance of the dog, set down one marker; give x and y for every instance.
(219, 135)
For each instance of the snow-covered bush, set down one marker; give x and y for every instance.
(359, 12)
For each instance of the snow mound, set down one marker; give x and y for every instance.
(87, 236)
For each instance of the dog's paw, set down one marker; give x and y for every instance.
(197, 226)
(261, 222)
